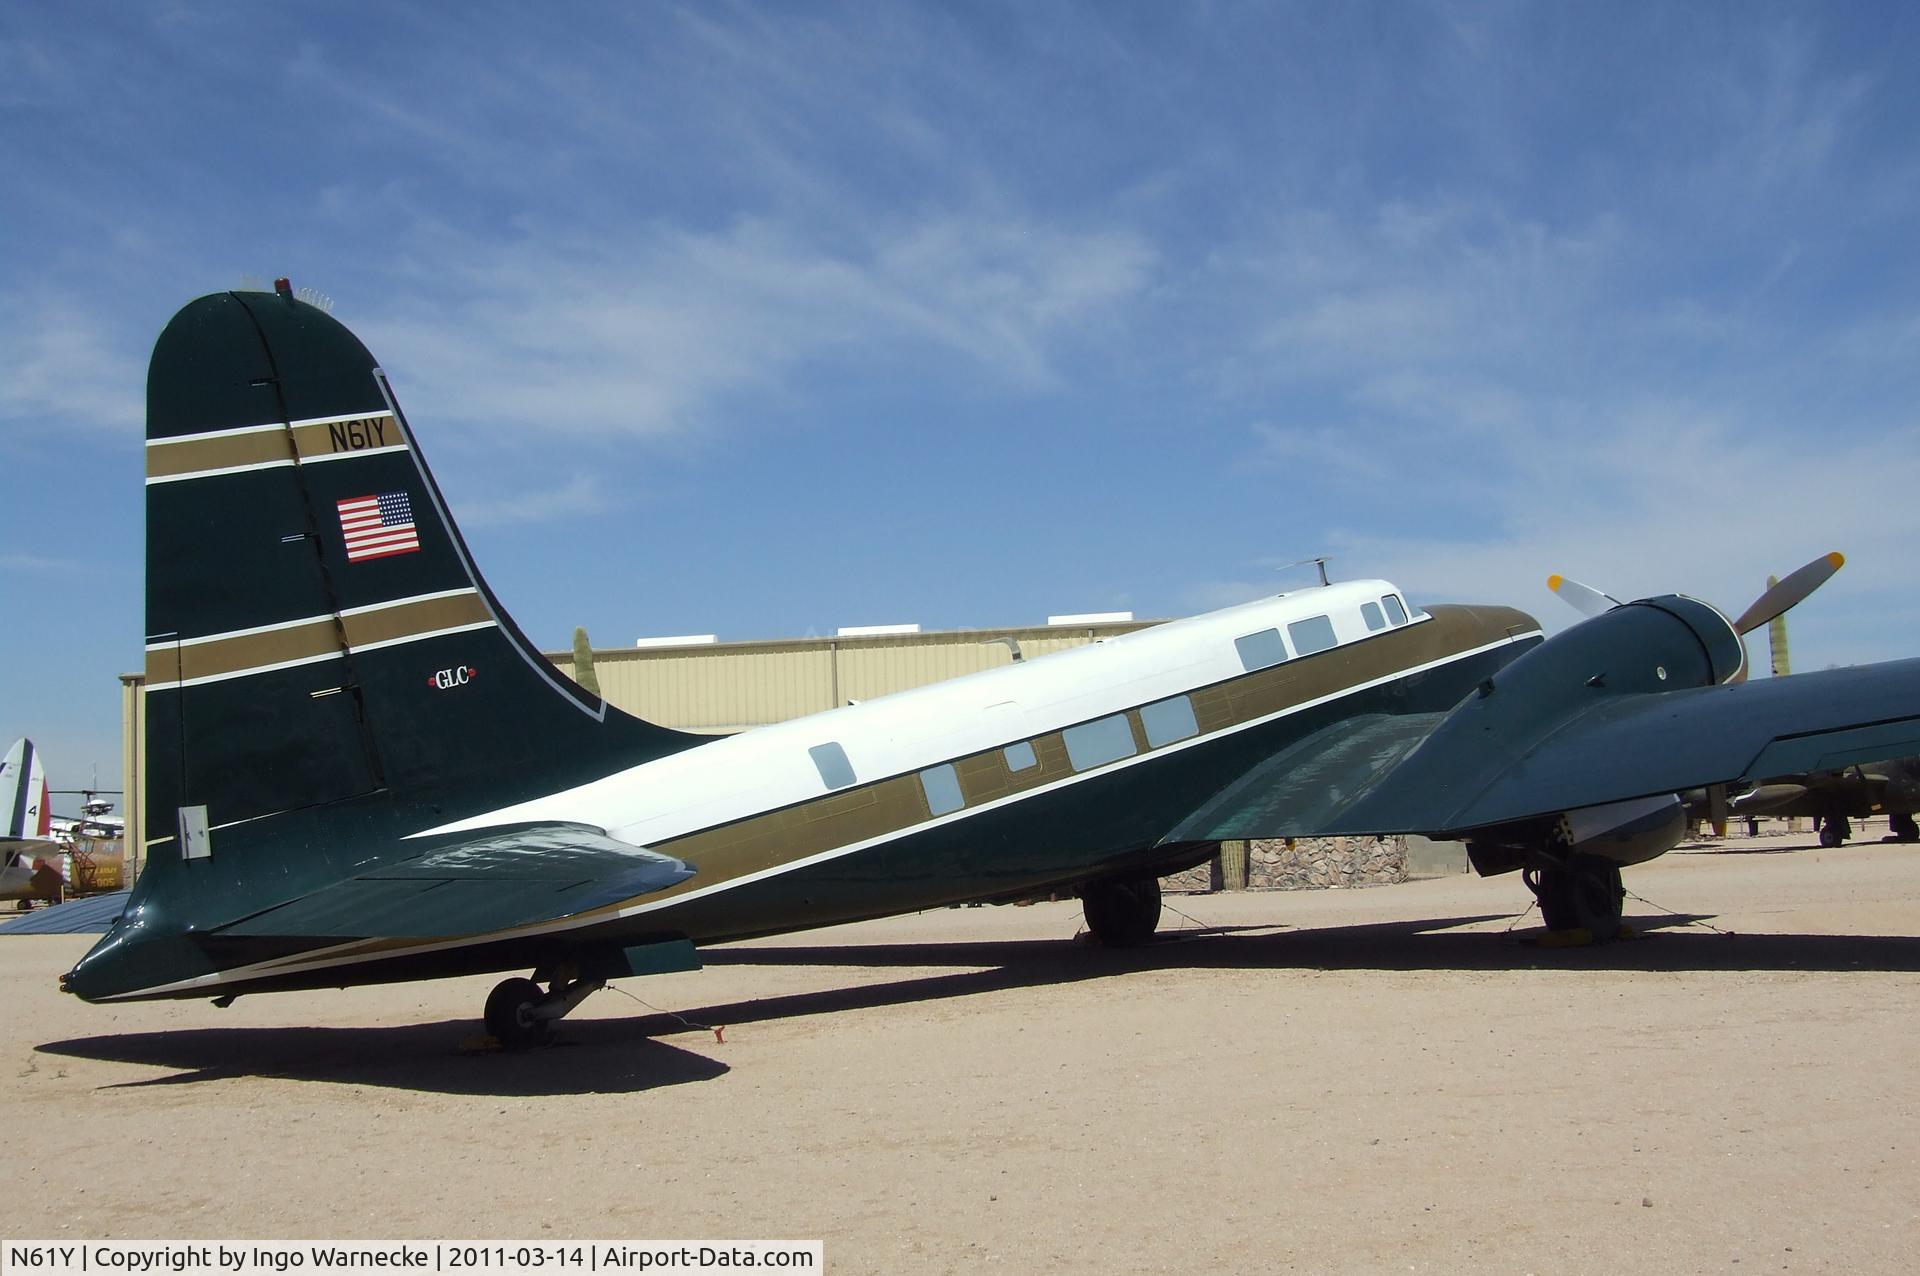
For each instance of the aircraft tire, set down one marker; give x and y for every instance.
(1903, 826)
(1586, 895)
(507, 1019)
(1833, 832)
(1122, 914)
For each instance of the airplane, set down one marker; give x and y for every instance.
(26, 837)
(1891, 788)
(361, 771)
(1835, 798)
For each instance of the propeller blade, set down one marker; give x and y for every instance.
(1789, 591)
(1584, 599)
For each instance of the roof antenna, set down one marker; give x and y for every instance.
(1320, 562)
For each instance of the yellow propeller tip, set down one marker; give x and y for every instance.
(1554, 583)
(1838, 560)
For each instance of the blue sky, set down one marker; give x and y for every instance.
(765, 320)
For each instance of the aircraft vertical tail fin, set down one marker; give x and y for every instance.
(23, 795)
(317, 630)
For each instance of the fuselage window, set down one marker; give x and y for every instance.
(1168, 720)
(1395, 612)
(1020, 756)
(1099, 742)
(831, 760)
(1315, 633)
(1370, 612)
(1258, 651)
(942, 787)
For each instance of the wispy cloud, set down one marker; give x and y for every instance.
(580, 495)
(18, 562)
(657, 334)
(62, 366)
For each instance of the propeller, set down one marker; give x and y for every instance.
(1584, 599)
(1789, 592)
(1777, 599)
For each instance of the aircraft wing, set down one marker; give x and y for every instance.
(1507, 754)
(470, 884)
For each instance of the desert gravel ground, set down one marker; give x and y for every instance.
(1376, 1080)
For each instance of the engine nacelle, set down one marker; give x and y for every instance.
(1620, 833)
(1655, 644)
(1627, 832)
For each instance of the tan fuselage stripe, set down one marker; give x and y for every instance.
(311, 440)
(311, 639)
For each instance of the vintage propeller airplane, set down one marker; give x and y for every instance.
(28, 846)
(359, 769)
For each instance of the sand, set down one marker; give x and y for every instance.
(1373, 1080)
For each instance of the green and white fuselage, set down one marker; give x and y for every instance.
(359, 770)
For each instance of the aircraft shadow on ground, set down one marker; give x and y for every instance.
(1666, 943)
(615, 1055)
(608, 1056)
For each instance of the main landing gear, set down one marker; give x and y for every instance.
(520, 1016)
(1122, 912)
(1901, 824)
(1835, 830)
(1586, 895)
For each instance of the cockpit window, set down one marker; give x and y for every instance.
(1370, 612)
(1396, 614)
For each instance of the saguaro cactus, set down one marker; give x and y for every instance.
(583, 661)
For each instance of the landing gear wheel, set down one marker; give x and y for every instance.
(509, 1014)
(1903, 827)
(1585, 895)
(1834, 830)
(1122, 914)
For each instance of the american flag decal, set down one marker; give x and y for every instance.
(378, 526)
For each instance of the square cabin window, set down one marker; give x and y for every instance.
(1370, 612)
(1258, 651)
(1395, 612)
(831, 761)
(1168, 720)
(942, 787)
(1315, 633)
(1020, 756)
(1099, 742)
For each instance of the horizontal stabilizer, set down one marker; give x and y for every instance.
(93, 915)
(467, 885)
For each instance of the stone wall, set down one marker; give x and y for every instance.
(1308, 863)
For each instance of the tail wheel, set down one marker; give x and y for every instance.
(1124, 913)
(509, 1014)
